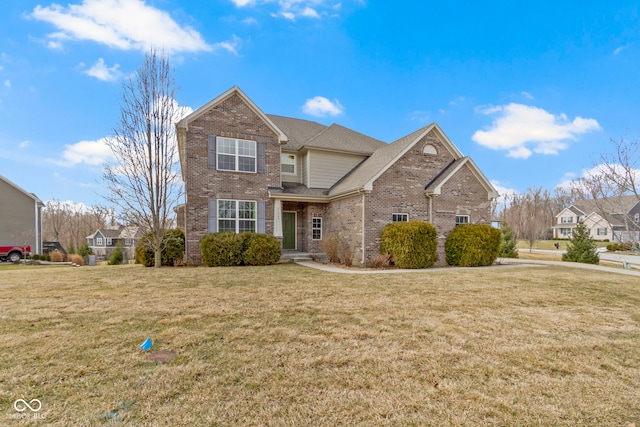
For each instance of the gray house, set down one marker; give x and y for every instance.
(20, 216)
(104, 240)
(300, 180)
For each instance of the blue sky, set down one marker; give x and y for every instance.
(533, 92)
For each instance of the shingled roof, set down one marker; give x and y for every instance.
(305, 133)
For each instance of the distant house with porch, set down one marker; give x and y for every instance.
(105, 240)
(615, 219)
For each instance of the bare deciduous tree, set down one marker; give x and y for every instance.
(143, 180)
(70, 223)
(530, 214)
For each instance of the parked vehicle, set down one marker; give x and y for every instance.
(14, 253)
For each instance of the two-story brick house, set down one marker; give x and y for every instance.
(299, 180)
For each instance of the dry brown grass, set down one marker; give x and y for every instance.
(287, 345)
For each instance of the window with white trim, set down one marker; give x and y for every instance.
(565, 232)
(602, 231)
(288, 163)
(316, 228)
(637, 217)
(238, 155)
(566, 220)
(109, 241)
(237, 215)
(399, 217)
(462, 219)
(98, 241)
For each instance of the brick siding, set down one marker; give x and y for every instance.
(231, 118)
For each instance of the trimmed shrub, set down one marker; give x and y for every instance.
(221, 249)
(172, 251)
(173, 247)
(260, 249)
(507, 242)
(472, 245)
(85, 250)
(411, 244)
(581, 247)
(56, 256)
(612, 247)
(78, 259)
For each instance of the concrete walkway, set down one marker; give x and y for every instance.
(501, 263)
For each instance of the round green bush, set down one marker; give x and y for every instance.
(472, 245)
(222, 249)
(411, 244)
(260, 249)
(172, 252)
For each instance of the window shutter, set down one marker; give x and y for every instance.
(213, 216)
(212, 151)
(261, 226)
(261, 157)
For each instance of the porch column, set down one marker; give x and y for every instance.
(277, 218)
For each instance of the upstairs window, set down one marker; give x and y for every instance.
(462, 219)
(566, 220)
(602, 231)
(98, 241)
(637, 217)
(238, 155)
(288, 164)
(109, 241)
(399, 217)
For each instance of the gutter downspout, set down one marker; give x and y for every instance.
(363, 231)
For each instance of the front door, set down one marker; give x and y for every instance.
(289, 230)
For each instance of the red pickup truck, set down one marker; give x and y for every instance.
(14, 253)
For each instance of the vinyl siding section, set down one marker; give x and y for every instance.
(19, 218)
(297, 177)
(326, 168)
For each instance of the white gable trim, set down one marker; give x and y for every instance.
(22, 190)
(450, 146)
(184, 123)
(492, 193)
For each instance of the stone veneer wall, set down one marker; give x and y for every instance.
(235, 119)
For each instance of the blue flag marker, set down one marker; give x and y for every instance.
(146, 345)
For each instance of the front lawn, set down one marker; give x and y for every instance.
(288, 345)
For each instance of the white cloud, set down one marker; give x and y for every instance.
(119, 24)
(598, 172)
(320, 106)
(309, 13)
(293, 9)
(24, 144)
(619, 49)
(229, 45)
(518, 127)
(527, 95)
(93, 153)
(100, 71)
(7, 83)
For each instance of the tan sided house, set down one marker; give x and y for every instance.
(20, 217)
(299, 180)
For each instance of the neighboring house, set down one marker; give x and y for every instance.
(300, 180)
(104, 240)
(20, 217)
(616, 219)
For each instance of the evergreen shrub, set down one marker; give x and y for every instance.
(260, 249)
(581, 247)
(472, 245)
(411, 244)
(222, 249)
